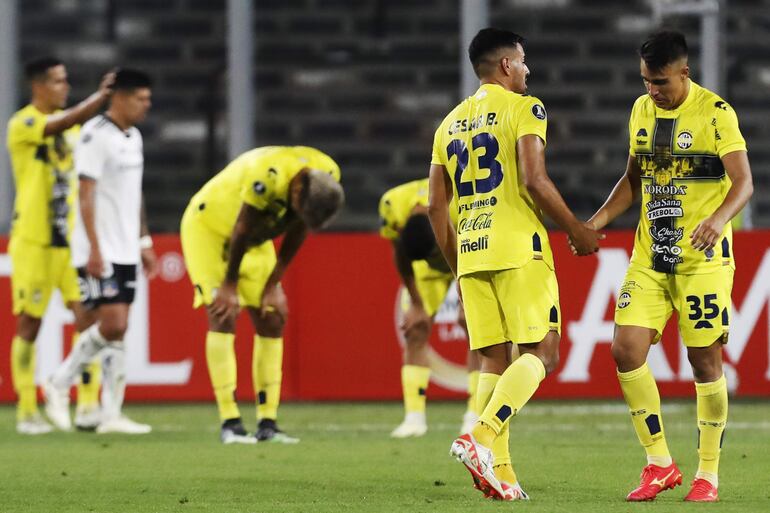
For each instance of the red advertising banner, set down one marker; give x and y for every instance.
(341, 339)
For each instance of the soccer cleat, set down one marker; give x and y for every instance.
(512, 493)
(87, 418)
(233, 432)
(33, 425)
(122, 424)
(702, 490)
(268, 431)
(479, 462)
(655, 479)
(413, 425)
(469, 420)
(57, 405)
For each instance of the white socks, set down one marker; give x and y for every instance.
(114, 379)
(89, 344)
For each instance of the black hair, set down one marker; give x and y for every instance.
(127, 79)
(37, 68)
(489, 40)
(417, 239)
(662, 48)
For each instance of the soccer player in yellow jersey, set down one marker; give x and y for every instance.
(426, 277)
(227, 231)
(488, 154)
(688, 164)
(40, 141)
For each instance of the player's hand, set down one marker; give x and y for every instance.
(225, 305)
(107, 83)
(707, 233)
(416, 322)
(584, 239)
(95, 265)
(149, 263)
(273, 301)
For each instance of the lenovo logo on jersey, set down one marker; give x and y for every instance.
(480, 244)
(674, 190)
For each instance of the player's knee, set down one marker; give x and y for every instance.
(271, 325)
(550, 362)
(620, 353)
(27, 327)
(114, 329)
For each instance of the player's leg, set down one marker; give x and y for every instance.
(643, 308)
(704, 305)
(31, 290)
(204, 255)
(473, 409)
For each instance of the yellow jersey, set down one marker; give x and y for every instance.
(397, 203)
(679, 153)
(499, 226)
(260, 178)
(46, 185)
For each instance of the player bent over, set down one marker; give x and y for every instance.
(488, 155)
(107, 250)
(227, 231)
(687, 161)
(426, 277)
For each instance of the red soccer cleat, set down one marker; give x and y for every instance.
(702, 491)
(655, 479)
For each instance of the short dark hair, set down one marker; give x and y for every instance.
(37, 68)
(489, 40)
(417, 239)
(127, 79)
(662, 48)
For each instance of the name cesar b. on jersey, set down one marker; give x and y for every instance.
(465, 125)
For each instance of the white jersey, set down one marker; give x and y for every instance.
(113, 158)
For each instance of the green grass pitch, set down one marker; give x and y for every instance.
(570, 457)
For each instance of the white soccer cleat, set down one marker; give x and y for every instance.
(469, 420)
(414, 425)
(87, 418)
(512, 492)
(122, 424)
(57, 405)
(480, 463)
(33, 425)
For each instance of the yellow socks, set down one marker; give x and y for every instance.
(266, 373)
(414, 383)
(643, 400)
(486, 385)
(220, 357)
(23, 376)
(515, 387)
(473, 387)
(712, 417)
(90, 381)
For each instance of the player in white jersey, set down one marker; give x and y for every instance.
(109, 241)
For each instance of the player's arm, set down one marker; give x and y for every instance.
(405, 271)
(272, 297)
(439, 196)
(544, 193)
(149, 259)
(86, 198)
(707, 233)
(83, 111)
(623, 195)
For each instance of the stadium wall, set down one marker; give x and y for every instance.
(341, 341)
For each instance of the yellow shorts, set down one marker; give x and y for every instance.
(205, 255)
(38, 270)
(512, 305)
(647, 298)
(432, 286)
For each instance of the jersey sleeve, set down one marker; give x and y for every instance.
(532, 119)
(90, 155)
(436, 155)
(727, 133)
(631, 124)
(260, 186)
(27, 128)
(388, 227)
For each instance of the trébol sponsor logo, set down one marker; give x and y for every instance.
(479, 203)
(482, 221)
(480, 244)
(664, 208)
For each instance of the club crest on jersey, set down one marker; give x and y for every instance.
(538, 111)
(259, 187)
(684, 139)
(624, 300)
